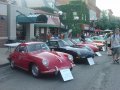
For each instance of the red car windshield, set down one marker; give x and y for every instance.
(37, 47)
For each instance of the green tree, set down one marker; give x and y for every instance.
(108, 22)
(103, 23)
(73, 10)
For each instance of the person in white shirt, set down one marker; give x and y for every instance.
(115, 45)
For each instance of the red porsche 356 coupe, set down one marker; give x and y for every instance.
(37, 58)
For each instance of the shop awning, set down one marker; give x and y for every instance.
(45, 25)
(52, 21)
(36, 18)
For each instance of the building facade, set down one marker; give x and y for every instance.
(13, 12)
(3, 23)
(94, 11)
(12, 29)
(23, 27)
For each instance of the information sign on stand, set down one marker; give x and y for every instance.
(103, 48)
(90, 61)
(66, 74)
(98, 53)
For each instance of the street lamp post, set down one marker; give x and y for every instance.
(76, 18)
(60, 14)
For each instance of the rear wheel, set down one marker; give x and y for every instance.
(71, 69)
(35, 70)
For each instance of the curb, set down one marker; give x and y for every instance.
(3, 65)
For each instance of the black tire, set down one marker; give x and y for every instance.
(12, 64)
(71, 68)
(35, 70)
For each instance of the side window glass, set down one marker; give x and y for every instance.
(22, 49)
(17, 49)
(44, 47)
(55, 44)
(61, 43)
(48, 43)
(31, 48)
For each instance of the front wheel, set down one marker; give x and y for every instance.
(35, 70)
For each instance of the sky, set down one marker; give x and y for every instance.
(114, 5)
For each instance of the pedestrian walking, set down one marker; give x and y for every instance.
(115, 45)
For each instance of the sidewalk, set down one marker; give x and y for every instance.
(3, 57)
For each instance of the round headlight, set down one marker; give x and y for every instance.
(70, 57)
(45, 62)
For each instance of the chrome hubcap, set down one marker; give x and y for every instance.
(35, 70)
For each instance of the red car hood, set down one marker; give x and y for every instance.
(94, 48)
(94, 43)
(98, 44)
(54, 58)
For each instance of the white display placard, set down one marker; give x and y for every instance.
(98, 53)
(90, 61)
(66, 74)
(103, 48)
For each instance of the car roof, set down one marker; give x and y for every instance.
(28, 43)
(55, 40)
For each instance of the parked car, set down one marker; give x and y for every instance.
(69, 41)
(98, 39)
(79, 54)
(37, 58)
(98, 44)
(81, 44)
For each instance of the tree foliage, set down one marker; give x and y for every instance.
(107, 22)
(81, 10)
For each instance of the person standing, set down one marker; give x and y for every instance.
(49, 36)
(108, 41)
(83, 37)
(115, 45)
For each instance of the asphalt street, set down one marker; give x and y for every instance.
(104, 75)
